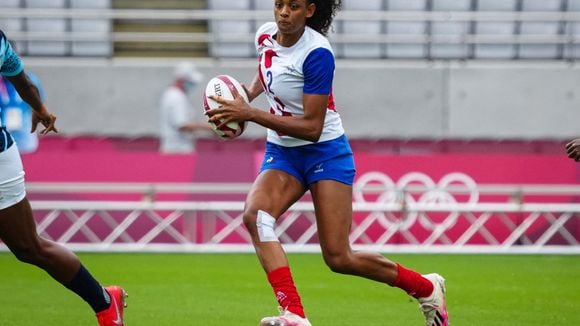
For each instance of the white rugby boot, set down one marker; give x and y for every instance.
(433, 307)
(286, 318)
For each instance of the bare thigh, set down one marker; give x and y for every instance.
(18, 232)
(17, 226)
(333, 205)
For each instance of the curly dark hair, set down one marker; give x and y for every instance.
(325, 12)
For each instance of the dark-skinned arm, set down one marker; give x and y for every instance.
(30, 94)
(307, 127)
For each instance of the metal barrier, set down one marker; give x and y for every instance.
(389, 223)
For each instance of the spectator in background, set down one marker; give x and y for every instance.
(17, 114)
(179, 121)
(573, 149)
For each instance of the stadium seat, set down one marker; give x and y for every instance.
(542, 51)
(358, 50)
(57, 25)
(412, 51)
(573, 29)
(450, 30)
(496, 51)
(228, 27)
(267, 5)
(10, 3)
(102, 27)
(9, 25)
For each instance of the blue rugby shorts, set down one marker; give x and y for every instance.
(328, 160)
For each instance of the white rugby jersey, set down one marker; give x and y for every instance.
(287, 73)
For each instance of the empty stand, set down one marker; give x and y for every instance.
(266, 5)
(572, 51)
(166, 48)
(10, 25)
(547, 28)
(415, 29)
(101, 28)
(55, 25)
(496, 51)
(450, 32)
(403, 29)
(362, 29)
(229, 29)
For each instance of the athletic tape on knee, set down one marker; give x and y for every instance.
(265, 223)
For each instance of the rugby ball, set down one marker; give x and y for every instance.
(223, 85)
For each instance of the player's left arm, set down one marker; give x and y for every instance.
(13, 69)
(30, 94)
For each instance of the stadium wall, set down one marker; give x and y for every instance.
(87, 159)
(377, 99)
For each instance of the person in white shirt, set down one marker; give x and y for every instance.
(179, 122)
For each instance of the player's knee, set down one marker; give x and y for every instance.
(339, 262)
(250, 216)
(261, 225)
(30, 254)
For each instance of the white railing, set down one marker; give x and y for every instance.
(368, 184)
(392, 223)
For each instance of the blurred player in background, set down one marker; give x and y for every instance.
(17, 225)
(307, 150)
(573, 149)
(179, 123)
(17, 114)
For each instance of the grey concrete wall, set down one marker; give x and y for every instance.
(375, 99)
(512, 102)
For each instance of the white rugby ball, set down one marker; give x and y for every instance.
(223, 85)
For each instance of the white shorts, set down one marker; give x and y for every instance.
(11, 178)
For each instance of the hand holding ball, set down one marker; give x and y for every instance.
(224, 86)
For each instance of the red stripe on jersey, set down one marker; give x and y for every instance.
(262, 38)
(331, 106)
(268, 60)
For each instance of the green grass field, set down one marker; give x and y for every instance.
(231, 289)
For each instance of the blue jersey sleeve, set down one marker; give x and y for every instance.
(318, 72)
(10, 62)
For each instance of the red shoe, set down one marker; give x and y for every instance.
(113, 316)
